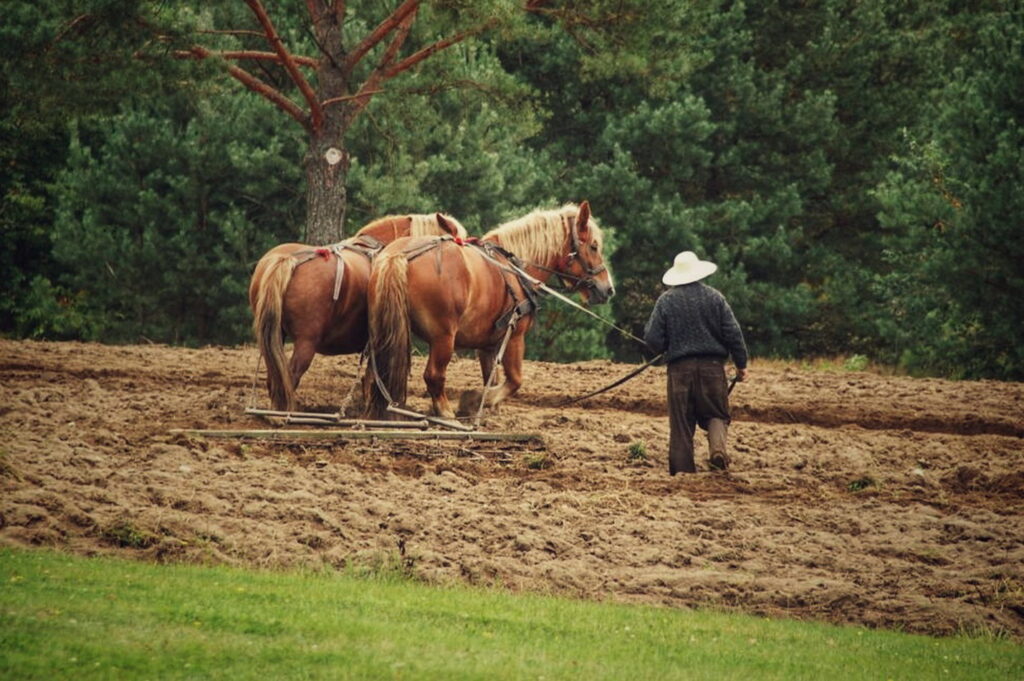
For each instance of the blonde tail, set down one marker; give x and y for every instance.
(266, 296)
(390, 340)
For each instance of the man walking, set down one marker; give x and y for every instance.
(694, 326)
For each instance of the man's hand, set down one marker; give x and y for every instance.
(741, 374)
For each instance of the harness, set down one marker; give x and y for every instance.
(521, 307)
(363, 244)
(506, 261)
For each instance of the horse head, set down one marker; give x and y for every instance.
(448, 225)
(582, 266)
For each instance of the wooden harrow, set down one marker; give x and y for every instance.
(357, 429)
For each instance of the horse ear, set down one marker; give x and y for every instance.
(445, 225)
(583, 221)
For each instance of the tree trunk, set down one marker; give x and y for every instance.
(327, 158)
(326, 199)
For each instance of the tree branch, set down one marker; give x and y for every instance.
(429, 50)
(248, 54)
(211, 31)
(378, 34)
(258, 86)
(311, 33)
(316, 10)
(396, 43)
(345, 98)
(316, 113)
(71, 25)
(369, 88)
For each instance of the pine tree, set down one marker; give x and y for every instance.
(952, 207)
(162, 212)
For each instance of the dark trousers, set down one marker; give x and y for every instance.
(697, 395)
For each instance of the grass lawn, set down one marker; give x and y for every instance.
(67, 617)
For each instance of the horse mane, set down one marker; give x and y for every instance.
(538, 236)
(426, 225)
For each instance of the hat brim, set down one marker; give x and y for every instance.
(678, 276)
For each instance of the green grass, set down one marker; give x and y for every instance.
(66, 617)
(637, 451)
(843, 363)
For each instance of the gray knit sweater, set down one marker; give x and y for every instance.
(694, 320)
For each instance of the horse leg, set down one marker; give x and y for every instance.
(302, 357)
(441, 349)
(512, 363)
(486, 358)
(361, 397)
(469, 401)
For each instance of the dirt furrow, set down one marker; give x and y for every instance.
(852, 498)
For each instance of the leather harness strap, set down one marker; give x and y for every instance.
(364, 244)
(424, 245)
(494, 254)
(520, 307)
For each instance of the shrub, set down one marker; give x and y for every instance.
(124, 533)
(638, 452)
(861, 484)
(856, 363)
(538, 461)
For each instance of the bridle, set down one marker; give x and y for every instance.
(589, 281)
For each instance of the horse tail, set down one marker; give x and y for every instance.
(390, 338)
(266, 296)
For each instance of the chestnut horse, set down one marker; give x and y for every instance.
(297, 290)
(464, 296)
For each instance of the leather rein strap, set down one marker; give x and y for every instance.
(632, 374)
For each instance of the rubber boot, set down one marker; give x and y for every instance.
(718, 460)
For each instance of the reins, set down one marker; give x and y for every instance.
(632, 374)
(590, 283)
(579, 282)
(550, 291)
(568, 301)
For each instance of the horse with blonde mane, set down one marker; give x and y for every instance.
(460, 295)
(317, 297)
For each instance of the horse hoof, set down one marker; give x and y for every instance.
(355, 408)
(469, 402)
(441, 413)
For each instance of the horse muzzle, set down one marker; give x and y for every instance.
(600, 293)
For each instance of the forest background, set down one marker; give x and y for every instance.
(855, 167)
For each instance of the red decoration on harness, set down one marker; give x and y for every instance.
(468, 240)
(324, 253)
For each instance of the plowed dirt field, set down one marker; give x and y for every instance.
(853, 497)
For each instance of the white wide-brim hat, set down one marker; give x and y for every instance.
(687, 269)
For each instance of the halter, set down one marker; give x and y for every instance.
(589, 281)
